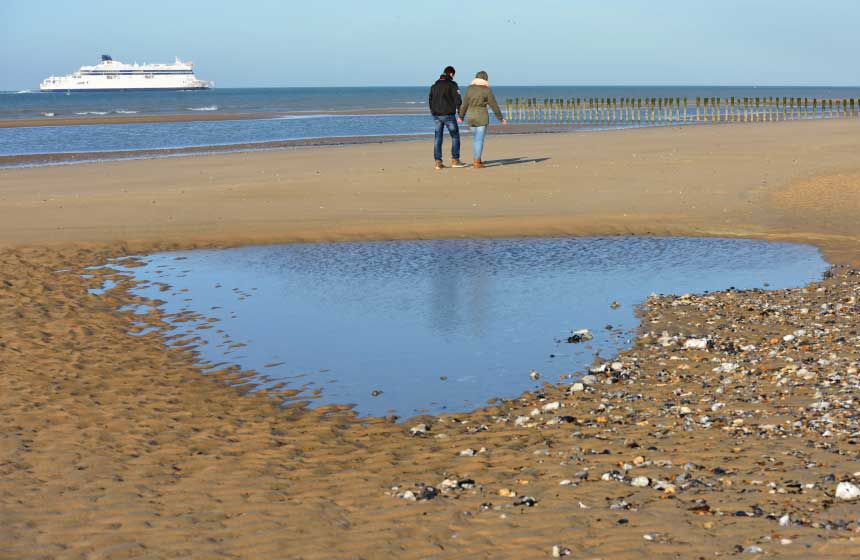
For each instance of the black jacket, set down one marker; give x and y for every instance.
(445, 97)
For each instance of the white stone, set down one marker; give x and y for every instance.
(577, 387)
(467, 453)
(418, 429)
(549, 407)
(726, 367)
(696, 344)
(788, 338)
(521, 420)
(847, 491)
(785, 520)
(408, 495)
(534, 376)
(640, 482)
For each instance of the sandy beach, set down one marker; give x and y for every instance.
(126, 447)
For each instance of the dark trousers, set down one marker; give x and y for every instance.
(449, 122)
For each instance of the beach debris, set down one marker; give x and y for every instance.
(558, 551)
(582, 335)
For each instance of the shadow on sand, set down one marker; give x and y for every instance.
(512, 161)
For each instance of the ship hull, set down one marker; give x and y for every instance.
(106, 90)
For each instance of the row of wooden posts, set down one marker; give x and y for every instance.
(669, 110)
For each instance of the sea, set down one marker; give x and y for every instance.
(287, 114)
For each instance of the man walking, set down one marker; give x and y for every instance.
(444, 103)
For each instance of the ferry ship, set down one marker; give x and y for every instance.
(112, 75)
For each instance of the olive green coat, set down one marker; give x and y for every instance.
(475, 104)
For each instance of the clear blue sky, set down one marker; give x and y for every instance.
(403, 42)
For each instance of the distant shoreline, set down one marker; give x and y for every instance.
(187, 117)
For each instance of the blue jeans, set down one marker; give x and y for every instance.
(449, 122)
(478, 135)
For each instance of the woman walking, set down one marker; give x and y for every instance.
(478, 97)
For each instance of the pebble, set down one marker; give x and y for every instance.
(640, 482)
(847, 491)
(549, 407)
(696, 344)
(577, 387)
(582, 335)
(418, 429)
(526, 501)
(559, 551)
(533, 375)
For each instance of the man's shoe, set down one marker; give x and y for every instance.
(456, 163)
(478, 164)
(439, 164)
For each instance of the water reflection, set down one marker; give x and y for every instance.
(442, 325)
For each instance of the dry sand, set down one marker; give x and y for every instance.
(119, 447)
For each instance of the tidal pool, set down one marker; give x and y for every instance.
(429, 326)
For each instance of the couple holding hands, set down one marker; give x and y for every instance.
(448, 109)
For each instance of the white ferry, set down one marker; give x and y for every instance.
(112, 75)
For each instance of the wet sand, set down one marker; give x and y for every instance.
(78, 157)
(120, 447)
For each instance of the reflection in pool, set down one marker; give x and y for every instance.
(429, 326)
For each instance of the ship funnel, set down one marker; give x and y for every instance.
(106, 58)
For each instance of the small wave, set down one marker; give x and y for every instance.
(207, 108)
(82, 113)
(47, 114)
(410, 102)
(124, 112)
(25, 91)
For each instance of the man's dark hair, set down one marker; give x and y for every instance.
(450, 70)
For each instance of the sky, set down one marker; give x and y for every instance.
(404, 42)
